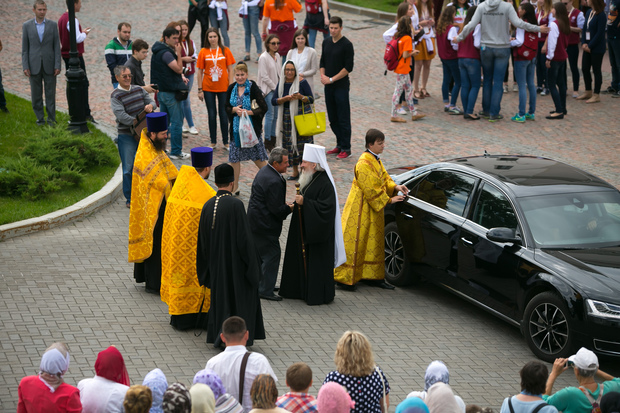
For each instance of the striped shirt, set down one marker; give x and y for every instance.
(126, 104)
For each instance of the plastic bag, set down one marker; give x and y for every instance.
(247, 135)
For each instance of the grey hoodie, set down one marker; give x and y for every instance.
(493, 16)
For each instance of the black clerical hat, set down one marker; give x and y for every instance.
(224, 174)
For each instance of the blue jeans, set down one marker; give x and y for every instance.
(614, 60)
(220, 24)
(524, 72)
(174, 109)
(470, 83)
(339, 113)
(271, 116)
(187, 107)
(556, 81)
(250, 25)
(494, 61)
(213, 111)
(127, 147)
(312, 37)
(450, 72)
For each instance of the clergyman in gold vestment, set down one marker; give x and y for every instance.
(362, 218)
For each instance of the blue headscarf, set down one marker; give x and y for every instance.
(245, 104)
(156, 381)
(412, 405)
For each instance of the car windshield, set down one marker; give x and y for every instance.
(582, 220)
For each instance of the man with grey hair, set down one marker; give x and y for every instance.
(127, 102)
(267, 210)
(586, 397)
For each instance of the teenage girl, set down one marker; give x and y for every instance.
(469, 66)
(556, 59)
(426, 46)
(446, 32)
(576, 20)
(525, 46)
(544, 16)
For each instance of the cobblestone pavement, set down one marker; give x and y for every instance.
(73, 283)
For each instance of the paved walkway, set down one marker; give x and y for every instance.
(73, 283)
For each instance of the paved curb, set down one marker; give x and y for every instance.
(349, 8)
(80, 209)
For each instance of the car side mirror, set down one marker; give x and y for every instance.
(505, 235)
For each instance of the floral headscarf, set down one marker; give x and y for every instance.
(211, 379)
(177, 399)
(156, 381)
(436, 372)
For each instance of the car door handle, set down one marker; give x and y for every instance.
(407, 216)
(466, 241)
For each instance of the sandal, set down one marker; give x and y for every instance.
(425, 92)
(418, 95)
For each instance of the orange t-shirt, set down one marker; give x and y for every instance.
(215, 64)
(285, 13)
(404, 65)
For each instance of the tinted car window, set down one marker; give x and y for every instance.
(446, 190)
(493, 209)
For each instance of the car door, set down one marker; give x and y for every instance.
(488, 271)
(429, 222)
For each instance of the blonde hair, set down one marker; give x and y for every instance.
(242, 67)
(138, 399)
(354, 355)
(264, 392)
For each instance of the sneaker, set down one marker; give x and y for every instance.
(616, 95)
(518, 119)
(544, 92)
(455, 111)
(183, 155)
(530, 116)
(193, 130)
(515, 87)
(446, 109)
(495, 118)
(344, 154)
(505, 88)
(396, 119)
(185, 129)
(417, 116)
(401, 111)
(334, 151)
(539, 89)
(484, 114)
(610, 91)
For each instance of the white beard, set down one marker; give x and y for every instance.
(305, 177)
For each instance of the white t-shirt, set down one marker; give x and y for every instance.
(100, 395)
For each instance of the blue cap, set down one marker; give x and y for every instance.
(202, 157)
(157, 122)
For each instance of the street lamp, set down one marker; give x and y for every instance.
(76, 84)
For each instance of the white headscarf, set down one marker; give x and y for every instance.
(441, 399)
(316, 154)
(53, 366)
(293, 107)
(436, 372)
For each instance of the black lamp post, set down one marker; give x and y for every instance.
(76, 87)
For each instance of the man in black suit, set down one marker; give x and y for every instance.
(41, 61)
(267, 210)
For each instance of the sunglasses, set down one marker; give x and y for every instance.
(126, 76)
(275, 43)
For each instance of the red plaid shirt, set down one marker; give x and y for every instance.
(297, 402)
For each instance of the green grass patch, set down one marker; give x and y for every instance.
(389, 6)
(44, 169)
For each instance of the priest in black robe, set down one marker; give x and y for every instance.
(314, 245)
(226, 261)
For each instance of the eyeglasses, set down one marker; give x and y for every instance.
(126, 76)
(289, 70)
(275, 43)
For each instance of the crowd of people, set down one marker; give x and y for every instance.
(240, 381)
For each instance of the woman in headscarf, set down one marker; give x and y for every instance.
(412, 405)
(40, 392)
(290, 97)
(156, 381)
(224, 402)
(203, 400)
(436, 372)
(333, 398)
(138, 399)
(106, 391)
(177, 399)
(264, 394)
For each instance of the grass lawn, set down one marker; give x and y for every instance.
(383, 5)
(18, 127)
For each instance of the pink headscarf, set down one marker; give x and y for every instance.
(333, 398)
(110, 365)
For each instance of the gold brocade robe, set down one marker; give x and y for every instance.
(363, 222)
(153, 173)
(179, 283)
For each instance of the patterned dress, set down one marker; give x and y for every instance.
(255, 153)
(366, 391)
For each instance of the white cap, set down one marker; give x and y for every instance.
(584, 359)
(316, 154)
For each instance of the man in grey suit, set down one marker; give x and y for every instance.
(41, 61)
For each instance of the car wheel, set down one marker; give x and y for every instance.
(547, 327)
(397, 270)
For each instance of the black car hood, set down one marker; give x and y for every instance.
(600, 267)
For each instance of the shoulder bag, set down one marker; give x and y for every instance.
(310, 124)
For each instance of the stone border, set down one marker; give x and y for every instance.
(349, 8)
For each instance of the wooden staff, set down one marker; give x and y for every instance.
(301, 231)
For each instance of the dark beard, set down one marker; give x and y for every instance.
(159, 145)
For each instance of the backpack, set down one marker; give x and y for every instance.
(314, 6)
(596, 404)
(529, 48)
(391, 55)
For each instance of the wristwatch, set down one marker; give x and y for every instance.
(331, 80)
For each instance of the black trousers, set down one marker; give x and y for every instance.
(201, 14)
(573, 61)
(592, 61)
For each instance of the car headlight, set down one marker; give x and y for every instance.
(603, 310)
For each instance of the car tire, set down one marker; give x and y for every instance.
(397, 268)
(547, 327)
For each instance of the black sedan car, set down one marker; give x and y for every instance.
(532, 240)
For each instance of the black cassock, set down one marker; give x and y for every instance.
(226, 263)
(149, 270)
(316, 286)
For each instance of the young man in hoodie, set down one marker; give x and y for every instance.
(493, 16)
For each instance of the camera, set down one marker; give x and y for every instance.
(155, 87)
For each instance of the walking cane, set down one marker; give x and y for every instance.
(301, 232)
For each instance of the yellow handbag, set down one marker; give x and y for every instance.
(310, 124)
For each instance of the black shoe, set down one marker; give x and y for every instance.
(346, 287)
(4, 109)
(292, 178)
(385, 285)
(276, 289)
(553, 111)
(558, 117)
(610, 91)
(271, 297)
(90, 119)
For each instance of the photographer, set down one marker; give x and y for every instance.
(167, 72)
